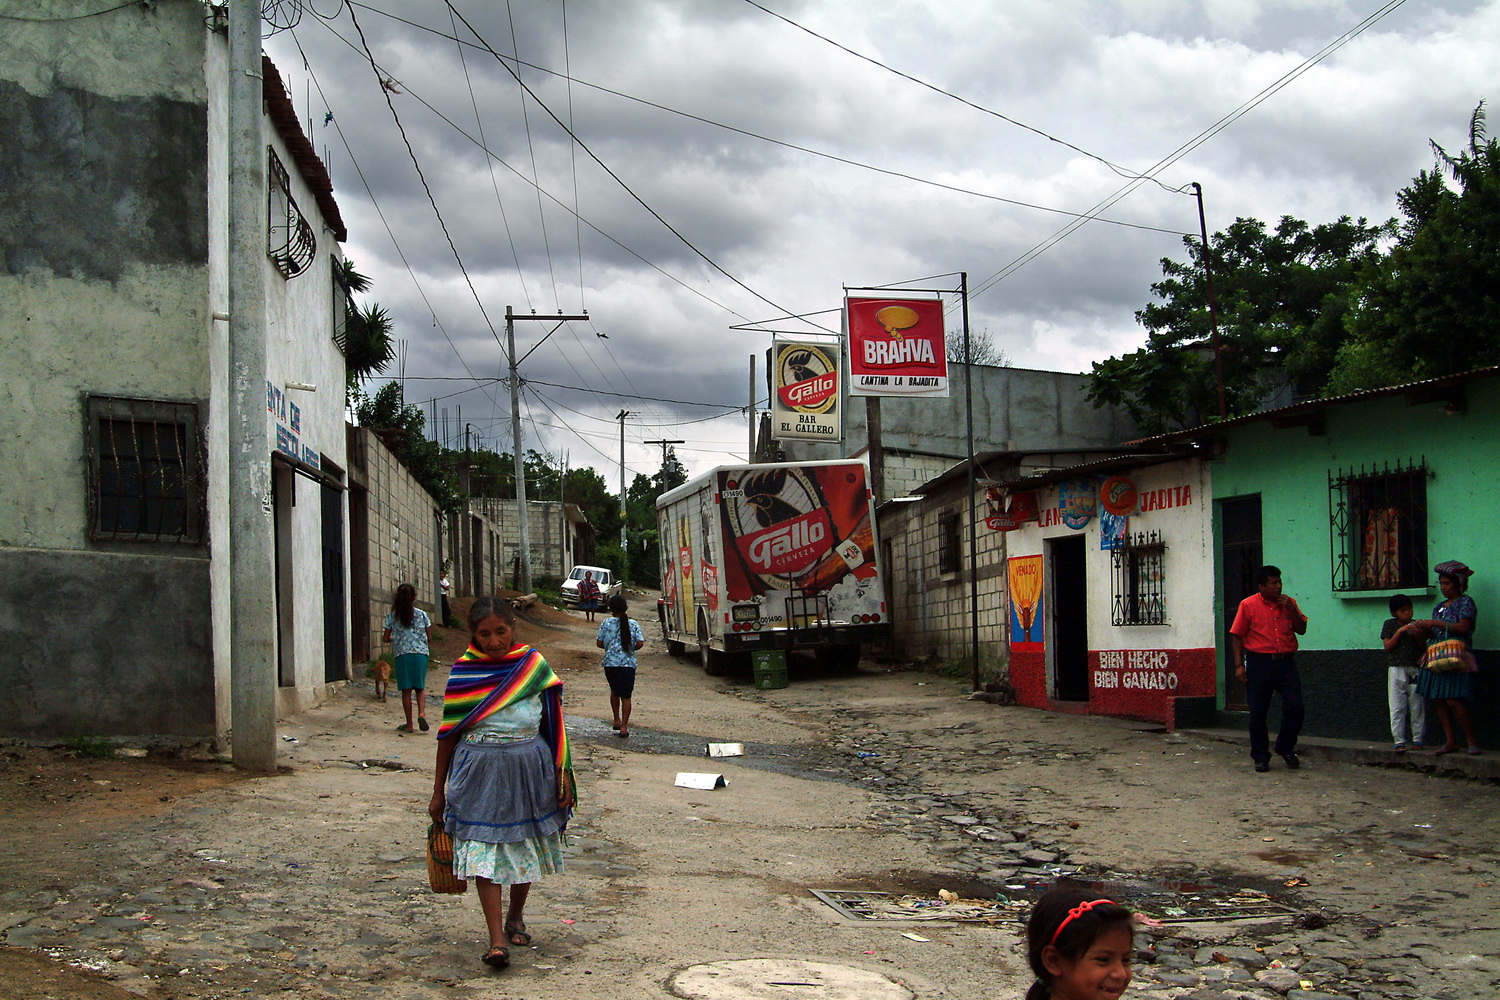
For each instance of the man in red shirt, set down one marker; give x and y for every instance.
(1263, 647)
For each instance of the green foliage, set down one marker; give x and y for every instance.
(1433, 306)
(388, 411)
(1324, 310)
(548, 589)
(1281, 298)
(85, 745)
(608, 555)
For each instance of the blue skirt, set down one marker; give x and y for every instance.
(1431, 684)
(411, 671)
(503, 792)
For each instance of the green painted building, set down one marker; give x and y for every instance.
(1355, 499)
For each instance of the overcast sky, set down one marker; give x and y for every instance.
(786, 229)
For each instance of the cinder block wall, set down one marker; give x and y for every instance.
(403, 535)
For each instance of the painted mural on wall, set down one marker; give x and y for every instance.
(1078, 500)
(288, 416)
(1025, 578)
(1141, 683)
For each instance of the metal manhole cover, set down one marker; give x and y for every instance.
(783, 979)
(862, 905)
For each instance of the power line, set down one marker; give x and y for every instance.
(143, 4)
(385, 91)
(1187, 147)
(608, 170)
(901, 175)
(339, 130)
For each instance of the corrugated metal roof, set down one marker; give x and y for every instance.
(1314, 405)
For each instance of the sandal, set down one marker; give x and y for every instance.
(517, 935)
(498, 956)
(1444, 749)
(422, 723)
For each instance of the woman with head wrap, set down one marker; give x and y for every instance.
(1451, 691)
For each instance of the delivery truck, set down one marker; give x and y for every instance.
(767, 557)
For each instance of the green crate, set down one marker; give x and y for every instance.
(770, 669)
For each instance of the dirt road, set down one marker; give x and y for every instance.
(180, 879)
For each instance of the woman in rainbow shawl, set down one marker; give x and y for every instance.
(504, 787)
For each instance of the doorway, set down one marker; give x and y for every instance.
(1240, 556)
(1067, 620)
(283, 502)
(335, 611)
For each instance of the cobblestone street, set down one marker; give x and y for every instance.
(888, 791)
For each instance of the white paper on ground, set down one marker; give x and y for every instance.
(693, 779)
(726, 750)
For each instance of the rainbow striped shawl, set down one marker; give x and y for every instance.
(479, 687)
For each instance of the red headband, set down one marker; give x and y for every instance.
(1077, 912)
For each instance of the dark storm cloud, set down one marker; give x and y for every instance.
(1130, 82)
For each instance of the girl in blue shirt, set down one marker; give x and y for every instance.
(620, 636)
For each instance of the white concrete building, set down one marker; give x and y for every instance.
(114, 573)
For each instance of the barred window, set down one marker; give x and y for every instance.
(290, 241)
(1378, 526)
(1138, 580)
(950, 544)
(145, 471)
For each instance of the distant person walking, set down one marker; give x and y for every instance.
(1263, 649)
(445, 586)
(407, 629)
(1451, 691)
(588, 595)
(619, 637)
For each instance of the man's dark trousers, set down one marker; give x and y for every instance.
(1267, 674)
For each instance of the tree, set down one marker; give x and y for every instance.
(982, 348)
(1433, 305)
(387, 410)
(1282, 298)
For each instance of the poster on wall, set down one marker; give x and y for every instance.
(1077, 500)
(1025, 578)
(805, 392)
(896, 347)
(1117, 495)
(1112, 528)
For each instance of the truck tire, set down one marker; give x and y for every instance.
(710, 659)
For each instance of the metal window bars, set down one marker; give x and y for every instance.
(1138, 580)
(145, 468)
(291, 242)
(1378, 526)
(950, 544)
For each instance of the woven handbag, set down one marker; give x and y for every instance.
(440, 862)
(1449, 656)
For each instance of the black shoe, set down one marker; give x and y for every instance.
(1292, 761)
(1262, 765)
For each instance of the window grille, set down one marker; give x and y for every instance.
(343, 307)
(1138, 580)
(949, 544)
(1378, 526)
(145, 471)
(290, 241)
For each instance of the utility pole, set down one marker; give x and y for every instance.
(524, 583)
(963, 292)
(624, 545)
(751, 452)
(664, 446)
(1213, 306)
(252, 576)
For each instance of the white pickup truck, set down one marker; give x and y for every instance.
(608, 585)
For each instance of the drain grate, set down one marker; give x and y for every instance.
(861, 905)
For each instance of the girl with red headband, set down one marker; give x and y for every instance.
(1079, 946)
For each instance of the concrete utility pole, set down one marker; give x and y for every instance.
(524, 583)
(624, 545)
(251, 556)
(751, 452)
(665, 445)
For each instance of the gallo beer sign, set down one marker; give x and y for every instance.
(896, 347)
(805, 394)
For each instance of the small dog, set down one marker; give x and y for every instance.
(382, 678)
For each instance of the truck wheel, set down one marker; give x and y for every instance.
(708, 658)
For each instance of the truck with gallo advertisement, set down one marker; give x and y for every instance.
(765, 557)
